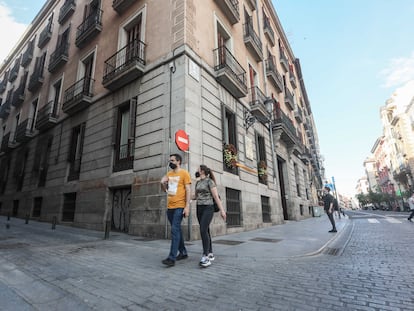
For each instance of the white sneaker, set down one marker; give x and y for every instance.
(211, 257)
(205, 262)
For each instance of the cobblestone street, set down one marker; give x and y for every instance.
(368, 268)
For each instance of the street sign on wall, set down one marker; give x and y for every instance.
(181, 140)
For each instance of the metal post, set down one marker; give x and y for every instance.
(8, 216)
(107, 229)
(54, 223)
(27, 219)
(189, 223)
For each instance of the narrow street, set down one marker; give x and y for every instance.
(368, 267)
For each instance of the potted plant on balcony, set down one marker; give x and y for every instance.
(230, 156)
(262, 171)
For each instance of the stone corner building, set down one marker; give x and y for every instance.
(94, 92)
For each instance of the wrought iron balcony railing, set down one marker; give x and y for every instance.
(45, 35)
(59, 57)
(66, 10)
(229, 72)
(90, 27)
(273, 74)
(252, 40)
(126, 64)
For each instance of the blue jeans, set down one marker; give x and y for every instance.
(175, 216)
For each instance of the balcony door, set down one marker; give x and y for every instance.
(133, 34)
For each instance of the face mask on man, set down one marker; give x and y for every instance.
(197, 174)
(173, 165)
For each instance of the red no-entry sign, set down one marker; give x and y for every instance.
(181, 139)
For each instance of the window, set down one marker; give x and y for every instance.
(55, 98)
(229, 134)
(261, 159)
(306, 181)
(19, 168)
(69, 207)
(87, 74)
(4, 173)
(41, 159)
(125, 135)
(37, 207)
(234, 217)
(266, 212)
(15, 125)
(32, 116)
(75, 151)
(295, 166)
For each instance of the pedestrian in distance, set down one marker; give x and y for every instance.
(206, 194)
(328, 202)
(336, 208)
(177, 184)
(411, 204)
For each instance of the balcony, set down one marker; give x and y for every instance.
(66, 10)
(121, 5)
(289, 100)
(47, 116)
(283, 59)
(229, 73)
(268, 31)
(78, 96)
(5, 109)
(25, 130)
(230, 8)
(3, 85)
(252, 41)
(90, 27)
(273, 75)
(299, 114)
(15, 70)
(126, 65)
(5, 143)
(59, 57)
(18, 96)
(28, 54)
(257, 107)
(36, 80)
(292, 77)
(251, 4)
(284, 125)
(45, 36)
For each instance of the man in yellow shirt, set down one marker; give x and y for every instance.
(177, 184)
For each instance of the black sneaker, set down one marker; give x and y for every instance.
(168, 262)
(181, 256)
(332, 231)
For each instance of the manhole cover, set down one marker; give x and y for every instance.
(228, 242)
(266, 240)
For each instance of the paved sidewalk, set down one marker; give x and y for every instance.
(292, 239)
(76, 269)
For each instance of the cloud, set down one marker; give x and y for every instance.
(10, 31)
(398, 71)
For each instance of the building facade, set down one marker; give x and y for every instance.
(95, 91)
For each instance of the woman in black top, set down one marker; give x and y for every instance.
(205, 193)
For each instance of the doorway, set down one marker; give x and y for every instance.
(281, 164)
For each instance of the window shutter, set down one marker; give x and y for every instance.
(223, 120)
(115, 127)
(132, 118)
(82, 139)
(37, 155)
(73, 143)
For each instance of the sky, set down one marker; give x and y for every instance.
(354, 55)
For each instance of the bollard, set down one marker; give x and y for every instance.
(8, 216)
(27, 219)
(107, 229)
(54, 223)
(7, 225)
